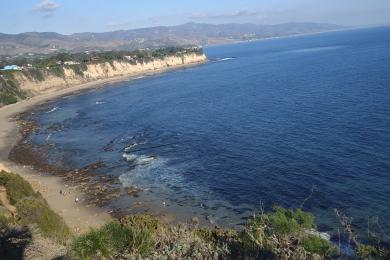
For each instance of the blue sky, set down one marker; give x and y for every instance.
(69, 16)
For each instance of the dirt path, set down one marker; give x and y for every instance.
(5, 202)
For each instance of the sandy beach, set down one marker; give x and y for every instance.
(80, 217)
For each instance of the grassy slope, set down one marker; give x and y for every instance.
(279, 234)
(32, 212)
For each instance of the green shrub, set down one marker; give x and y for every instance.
(281, 221)
(9, 90)
(368, 252)
(283, 224)
(304, 219)
(224, 241)
(5, 219)
(142, 222)
(89, 246)
(57, 71)
(180, 242)
(78, 68)
(36, 211)
(268, 235)
(134, 240)
(280, 234)
(17, 187)
(254, 242)
(290, 222)
(317, 245)
(34, 73)
(120, 236)
(142, 242)
(112, 239)
(217, 235)
(8, 99)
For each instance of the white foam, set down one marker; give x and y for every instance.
(99, 102)
(149, 171)
(52, 110)
(128, 148)
(225, 59)
(138, 159)
(130, 157)
(131, 146)
(145, 159)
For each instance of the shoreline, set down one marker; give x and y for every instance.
(80, 217)
(281, 37)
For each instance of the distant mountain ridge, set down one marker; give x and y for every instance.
(154, 37)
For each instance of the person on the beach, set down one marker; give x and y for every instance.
(76, 200)
(60, 192)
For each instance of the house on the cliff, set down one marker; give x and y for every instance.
(11, 68)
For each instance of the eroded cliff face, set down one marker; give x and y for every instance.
(96, 71)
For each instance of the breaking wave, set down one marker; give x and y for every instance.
(131, 146)
(224, 59)
(52, 110)
(48, 137)
(138, 159)
(149, 171)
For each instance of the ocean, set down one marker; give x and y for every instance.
(298, 122)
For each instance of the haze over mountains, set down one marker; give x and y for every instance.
(155, 37)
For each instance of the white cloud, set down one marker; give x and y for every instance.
(235, 14)
(46, 7)
(208, 16)
(118, 25)
(164, 18)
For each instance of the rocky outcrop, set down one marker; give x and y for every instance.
(96, 71)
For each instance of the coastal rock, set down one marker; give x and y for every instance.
(195, 221)
(322, 235)
(133, 191)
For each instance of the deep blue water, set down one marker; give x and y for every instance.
(262, 128)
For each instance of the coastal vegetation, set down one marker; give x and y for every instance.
(9, 91)
(70, 59)
(278, 234)
(31, 208)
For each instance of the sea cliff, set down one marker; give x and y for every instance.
(104, 70)
(29, 82)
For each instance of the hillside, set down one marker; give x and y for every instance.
(155, 37)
